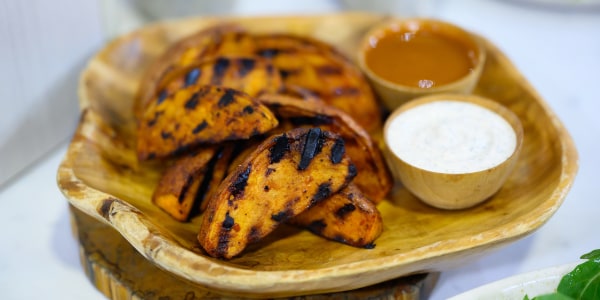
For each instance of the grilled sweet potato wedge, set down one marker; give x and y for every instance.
(177, 188)
(251, 75)
(316, 66)
(373, 178)
(195, 115)
(226, 39)
(217, 170)
(283, 177)
(347, 217)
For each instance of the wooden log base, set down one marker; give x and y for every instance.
(118, 271)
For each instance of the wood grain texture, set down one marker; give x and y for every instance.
(119, 272)
(100, 175)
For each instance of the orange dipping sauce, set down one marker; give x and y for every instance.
(420, 58)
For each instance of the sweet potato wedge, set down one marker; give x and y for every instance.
(195, 115)
(283, 177)
(318, 67)
(373, 178)
(251, 75)
(347, 217)
(225, 39)
(177, 188)
(217, 170)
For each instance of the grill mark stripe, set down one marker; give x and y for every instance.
(246, 66)
(337, 151)
(200, 127)
(192, 77)
(185, 188)
(219, 70)
(238, 186)
(193, 101)
(278, 150)
(161, 97)
(227, 98)
(312, 145)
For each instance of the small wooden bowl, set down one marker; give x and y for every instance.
(393, 94)
(453, 190)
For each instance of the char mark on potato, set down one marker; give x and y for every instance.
(200, 127)
(279, 149)
(238, 186)
(312, 146)
(323, 192)
(165, 135)
(337, 151)
(254, 235)
(369, 246)
(182, 150)
(248, 109)
(285, 73)
(317, 226)
(157, 114)
(345, 210)
(282, 216)
(351, 172)
(219, 70)
(223, 244)
(193, 101)
(206, 182)
(185, 188)
(227, 98)
(247, 65)
(162, 96)
(228, 222)
(192, 77)
(269, 172)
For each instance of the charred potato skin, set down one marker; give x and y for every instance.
(286, 175)
(347, 217)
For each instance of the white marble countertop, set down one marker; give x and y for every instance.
(558, 51)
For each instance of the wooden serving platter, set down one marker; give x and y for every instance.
(101, 177)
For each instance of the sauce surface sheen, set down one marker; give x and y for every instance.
(421, 59)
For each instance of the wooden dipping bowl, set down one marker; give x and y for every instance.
(453, 190)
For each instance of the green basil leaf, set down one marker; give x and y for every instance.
(584, 281)
(595, 254)
(554, 296)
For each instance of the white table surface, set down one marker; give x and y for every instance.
(557, 49)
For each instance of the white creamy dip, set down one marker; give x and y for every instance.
(451, 137)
